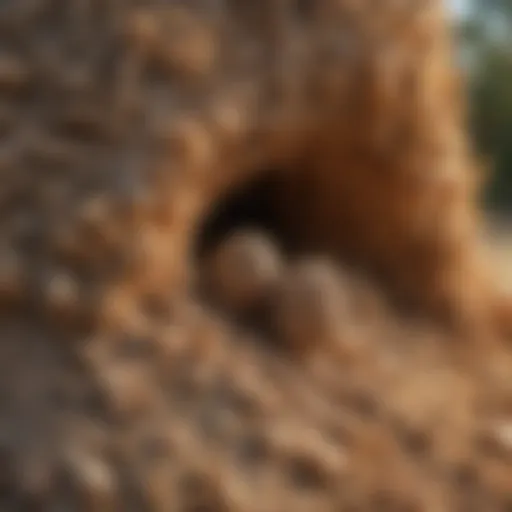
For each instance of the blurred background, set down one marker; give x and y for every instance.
(484, 32)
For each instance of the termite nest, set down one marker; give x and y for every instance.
(217, 216)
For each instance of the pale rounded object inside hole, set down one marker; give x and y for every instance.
(242, 270)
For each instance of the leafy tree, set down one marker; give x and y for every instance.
(486, 38)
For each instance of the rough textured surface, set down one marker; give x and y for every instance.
(135, 135)
(127, 122)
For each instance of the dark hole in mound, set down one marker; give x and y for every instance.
(254, 206)
(258, 205)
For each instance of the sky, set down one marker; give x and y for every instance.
(459, 7)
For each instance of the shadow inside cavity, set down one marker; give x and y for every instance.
(254, 206)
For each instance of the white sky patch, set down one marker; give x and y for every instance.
(458, 7)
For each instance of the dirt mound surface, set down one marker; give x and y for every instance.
(241, 266)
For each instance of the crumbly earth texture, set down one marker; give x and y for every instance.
(130, 379)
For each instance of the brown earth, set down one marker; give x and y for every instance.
(346, 350)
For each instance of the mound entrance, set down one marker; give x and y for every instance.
(254, 206)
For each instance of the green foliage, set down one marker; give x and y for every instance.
(486, 35)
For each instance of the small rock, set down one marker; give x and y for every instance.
(243, 271)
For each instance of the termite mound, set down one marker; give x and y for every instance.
(126, 127)
(135, 136)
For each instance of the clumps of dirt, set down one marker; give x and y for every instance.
(187, 191)
(298, 304)
(197, 412)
